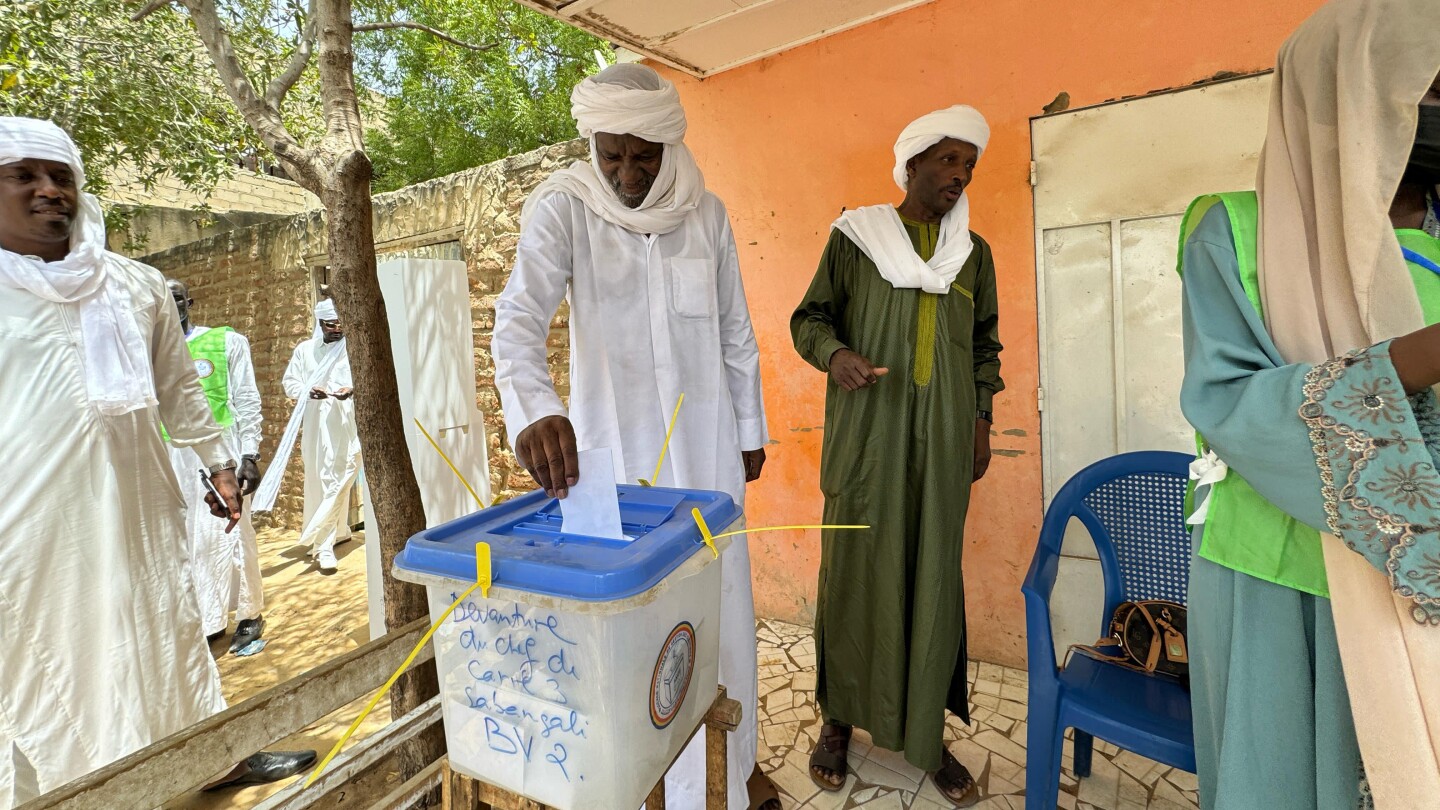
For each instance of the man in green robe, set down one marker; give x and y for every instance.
(902, 316)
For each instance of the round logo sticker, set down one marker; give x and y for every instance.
(204, 368)
(671, 680)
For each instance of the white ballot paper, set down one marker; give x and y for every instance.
(593, 506)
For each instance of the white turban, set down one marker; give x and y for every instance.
(630, 100)
(324, 311)
(878, 231)
(22, 138)
(961, 122)
(118, 376)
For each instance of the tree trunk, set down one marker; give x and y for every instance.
(338, 171)
(394, 493)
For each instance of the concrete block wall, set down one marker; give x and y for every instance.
(257, 280)
(254, 280)
(168, 214)
(243, 190)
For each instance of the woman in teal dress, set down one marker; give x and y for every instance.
(1309, 357)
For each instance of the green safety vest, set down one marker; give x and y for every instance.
(213, 367)
(1243, 530)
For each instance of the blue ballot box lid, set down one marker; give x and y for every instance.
(529, 552)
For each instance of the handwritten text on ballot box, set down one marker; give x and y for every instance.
(521, 682)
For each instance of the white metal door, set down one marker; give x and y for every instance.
(1111, 185)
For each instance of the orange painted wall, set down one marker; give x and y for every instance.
(786, 142)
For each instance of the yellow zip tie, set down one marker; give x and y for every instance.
(453, 468)
(711, 538)
(705, 531)
(666, 446)
(482, 581)
(786, 529)
(484, 574)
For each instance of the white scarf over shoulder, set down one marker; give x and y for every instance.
(634, 100)
(877, 230)
(118, 376)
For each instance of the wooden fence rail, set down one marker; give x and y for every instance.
(187, 759)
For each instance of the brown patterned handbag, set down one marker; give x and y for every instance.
(1147, 636)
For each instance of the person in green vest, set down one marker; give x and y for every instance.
(1310, 353)
(224, 565)
(902, 316)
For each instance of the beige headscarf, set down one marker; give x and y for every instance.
(1343, 115)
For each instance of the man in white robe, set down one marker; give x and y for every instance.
(657, 309)
(226, 564)
(103, 649)
(318, 379)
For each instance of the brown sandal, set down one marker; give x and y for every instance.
(954, 777)
(762, 791)
(831, 754)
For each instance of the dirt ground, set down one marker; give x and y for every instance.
(310, 618)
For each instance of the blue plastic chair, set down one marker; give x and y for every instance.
(1133, 505)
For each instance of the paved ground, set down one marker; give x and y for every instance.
(993, 748)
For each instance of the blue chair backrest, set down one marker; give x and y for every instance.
(1133, 506)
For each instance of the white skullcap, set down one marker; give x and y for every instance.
(32, 138)
(629, 99)
(325, 310)
(961, 122)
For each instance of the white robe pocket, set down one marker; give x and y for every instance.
(692, 287)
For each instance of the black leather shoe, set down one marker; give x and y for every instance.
(266, 767)
(247, 631)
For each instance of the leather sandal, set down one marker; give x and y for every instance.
(831, 754)
(955, 783)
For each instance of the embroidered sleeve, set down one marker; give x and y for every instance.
(1376, 450)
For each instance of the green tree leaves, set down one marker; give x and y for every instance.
(448, 108)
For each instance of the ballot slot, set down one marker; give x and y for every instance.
(641, 511)
(641, 507)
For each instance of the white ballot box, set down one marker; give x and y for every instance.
(581, 677)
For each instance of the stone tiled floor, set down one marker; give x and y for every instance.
(993, 747)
